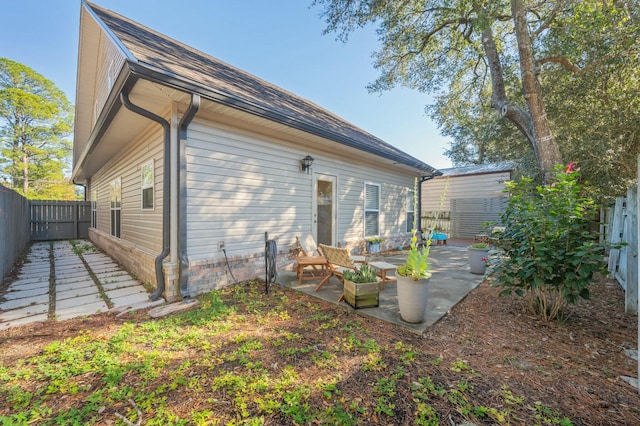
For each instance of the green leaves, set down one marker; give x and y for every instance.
(587, 62)
(417, 263)
(549, 256)
(366, 274)
(35, 119)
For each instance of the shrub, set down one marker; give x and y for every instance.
(366, 274)
(479, 245)
(549, 255)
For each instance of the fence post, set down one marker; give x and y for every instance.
(637, 283)
(631, 293)
(75, 208)
(614, 236)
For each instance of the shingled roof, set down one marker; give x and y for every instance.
(478, 169)
(157, 57)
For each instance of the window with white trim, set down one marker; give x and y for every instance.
(371, 210)
(411, 213)
(94, 209)
(116, 206)
(147, 176)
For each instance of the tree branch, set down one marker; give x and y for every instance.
(570, 66)
(562, 61)
(556, 9)
(518, 116)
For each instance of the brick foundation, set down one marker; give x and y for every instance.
(171, 281)
(139, 263)
(204, 275)
(134, 260)
(211, 274)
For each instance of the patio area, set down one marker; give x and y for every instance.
(450, 282)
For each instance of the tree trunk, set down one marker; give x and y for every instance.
(518, 116)
(25, 174)
(532, 122)
(544, 143)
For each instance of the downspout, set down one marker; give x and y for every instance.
(186, 119)
(166, 203)
(423, 179)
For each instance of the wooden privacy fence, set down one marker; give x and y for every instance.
(14, 228)
(467, 216)
(623, 262)
(438, 221)
(59, 220)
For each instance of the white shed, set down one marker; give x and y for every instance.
(463, 198)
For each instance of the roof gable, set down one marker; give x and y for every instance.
(158, 57)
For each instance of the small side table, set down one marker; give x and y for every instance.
(317, 268)
(382, 268)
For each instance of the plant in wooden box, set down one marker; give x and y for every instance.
(414, 276)
(361, 287)
(478, 255)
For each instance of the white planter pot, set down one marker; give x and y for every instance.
(477, 259)
(412, 298)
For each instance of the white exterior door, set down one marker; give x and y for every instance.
(324, 209)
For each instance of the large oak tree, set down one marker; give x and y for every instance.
(456, 47)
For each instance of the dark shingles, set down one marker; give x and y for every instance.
(172, 58)
(502, 166)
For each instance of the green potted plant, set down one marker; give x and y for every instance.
(361, 288)
(478, 255)
(373, 244)
(414, 276)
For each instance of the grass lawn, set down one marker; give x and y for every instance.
(246, 358)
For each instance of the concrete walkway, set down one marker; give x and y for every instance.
(58, 281)
(450, 282)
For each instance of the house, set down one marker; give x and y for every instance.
(461, 199)
(189, 161)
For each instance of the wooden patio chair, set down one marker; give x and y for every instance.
(307, 246)
(338, 260)
(310, 264)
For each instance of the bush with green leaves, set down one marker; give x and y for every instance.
(548, 252)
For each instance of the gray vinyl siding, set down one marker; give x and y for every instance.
(461, 187)
(110, 61)
(469, 202)
(140, 227)
(241, 185)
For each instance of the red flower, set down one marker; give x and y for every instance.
(570, 167)
(484, 259)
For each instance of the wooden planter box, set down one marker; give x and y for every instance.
(364, 295)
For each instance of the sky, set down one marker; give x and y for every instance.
(280, 41)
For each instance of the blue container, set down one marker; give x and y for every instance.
(374, 247)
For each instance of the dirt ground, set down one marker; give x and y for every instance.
(577, 363)
(573, 367)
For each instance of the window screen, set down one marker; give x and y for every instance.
(147, 185)
(371, 210)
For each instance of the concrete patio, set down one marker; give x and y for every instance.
(450, 282)
(57, 283)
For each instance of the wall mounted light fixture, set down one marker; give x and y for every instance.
(305, 163)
